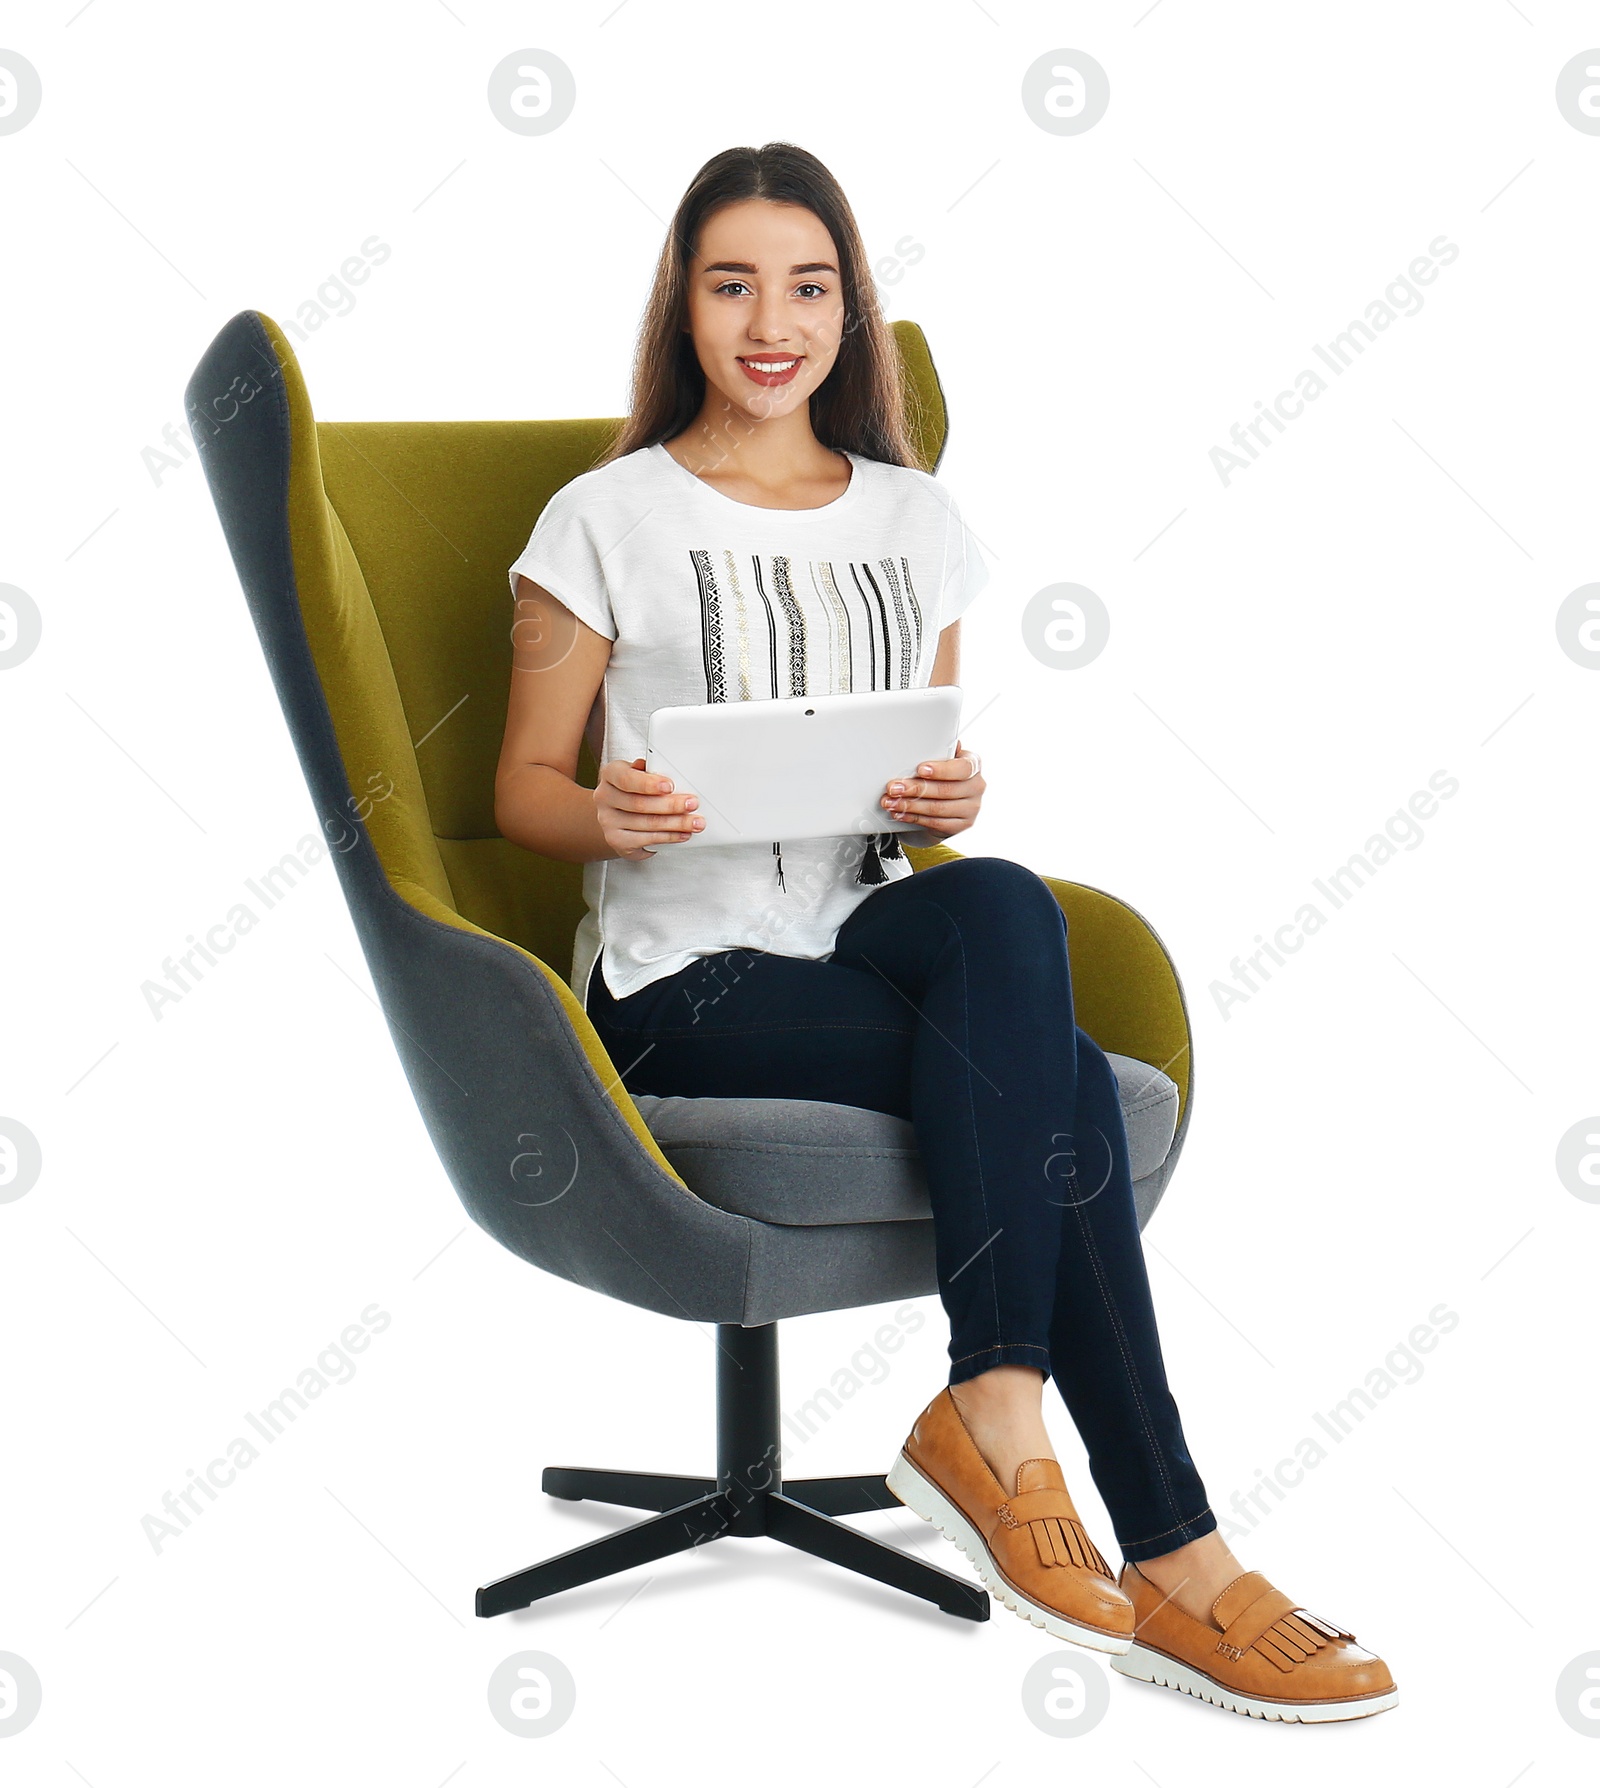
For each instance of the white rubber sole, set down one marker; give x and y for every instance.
(930, 1502)
(1154, 1666)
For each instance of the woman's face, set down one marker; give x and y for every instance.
(765, 293)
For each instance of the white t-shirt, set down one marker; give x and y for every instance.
(711, 600)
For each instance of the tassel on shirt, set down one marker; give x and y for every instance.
(871, 873)
(879, 845)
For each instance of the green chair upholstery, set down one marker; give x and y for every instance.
(373, 557)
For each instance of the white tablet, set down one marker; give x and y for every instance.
(801, 766)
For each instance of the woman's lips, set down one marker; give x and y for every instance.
(789, 364)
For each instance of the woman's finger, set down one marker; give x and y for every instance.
(960, 788)
(938, 771)
(622, 802)
(649, 828)
(916, 807)
(633, 789)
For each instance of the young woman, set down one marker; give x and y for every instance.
(761, 528)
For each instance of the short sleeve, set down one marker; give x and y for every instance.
(563, 557)
(968, 571)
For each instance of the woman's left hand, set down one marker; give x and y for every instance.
(943, 796)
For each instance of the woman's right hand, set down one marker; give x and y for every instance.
(638, 808)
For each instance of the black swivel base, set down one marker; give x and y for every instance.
(747, 1497)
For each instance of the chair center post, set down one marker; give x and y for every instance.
(749, 1453)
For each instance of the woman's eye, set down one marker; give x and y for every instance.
(805, 285)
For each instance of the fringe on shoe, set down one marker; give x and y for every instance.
(1060, 1538)
(1293, 1639)
(1271, 1624)
(1064, 1542)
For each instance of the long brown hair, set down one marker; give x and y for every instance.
(860, 407)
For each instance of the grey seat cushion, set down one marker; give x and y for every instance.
(805, 1161)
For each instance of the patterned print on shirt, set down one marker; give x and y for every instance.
(801, 628)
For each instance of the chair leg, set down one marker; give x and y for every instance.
(745, 1499)
(631, 1489)
(676, 1530)
(802, 1527)
(842, 1496)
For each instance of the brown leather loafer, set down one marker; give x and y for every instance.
(1265, 1655)
(1030, 1548)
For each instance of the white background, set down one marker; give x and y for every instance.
(1291, 656)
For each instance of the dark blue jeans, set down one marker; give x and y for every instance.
(948, 1001)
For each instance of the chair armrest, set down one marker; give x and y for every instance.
(1125, 987)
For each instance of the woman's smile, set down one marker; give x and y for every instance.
(770, 369)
